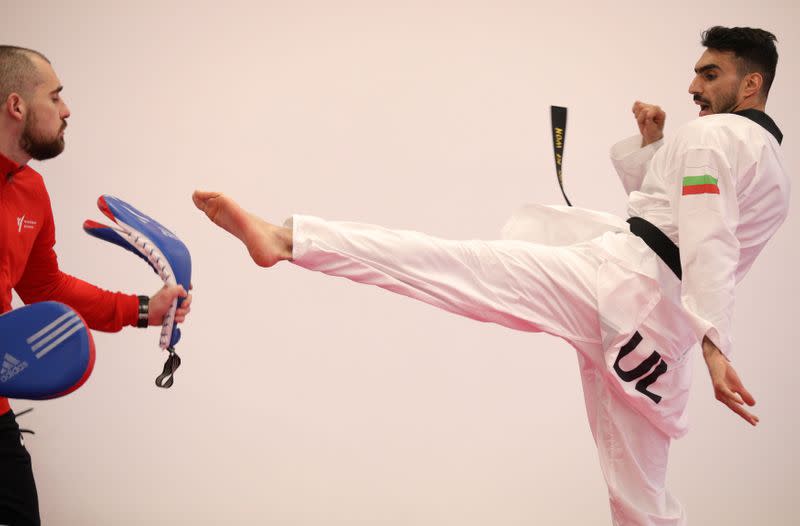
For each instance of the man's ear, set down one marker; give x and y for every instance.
(15, 107)
(752, 84)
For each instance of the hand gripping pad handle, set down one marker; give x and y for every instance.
(47, 351)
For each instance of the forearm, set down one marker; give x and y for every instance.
(708, 218)
(631, 158)
(103, 310)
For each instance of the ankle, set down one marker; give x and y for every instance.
(284, 241)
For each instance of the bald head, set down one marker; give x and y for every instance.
(18, 70)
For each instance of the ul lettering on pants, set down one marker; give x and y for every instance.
(653, 365)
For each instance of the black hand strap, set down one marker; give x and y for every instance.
(558, 120)
(143, 320)
(166, 377)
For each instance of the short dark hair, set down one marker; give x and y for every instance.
(17, 71)
(755, 49)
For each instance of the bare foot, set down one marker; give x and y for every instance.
(266, 243)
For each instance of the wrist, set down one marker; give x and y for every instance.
(143, 317)
(709, 349)
(647, 141)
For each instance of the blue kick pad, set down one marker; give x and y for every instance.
(46, 349)
(159, 247)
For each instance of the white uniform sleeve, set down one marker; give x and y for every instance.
(631, 160)
(708, 214)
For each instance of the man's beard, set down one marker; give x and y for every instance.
(724, 104)
(37, 146)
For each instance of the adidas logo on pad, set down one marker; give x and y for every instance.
(11, 368)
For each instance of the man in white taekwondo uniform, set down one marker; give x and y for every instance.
(621, 293)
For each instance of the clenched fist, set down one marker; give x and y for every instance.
(651, 119)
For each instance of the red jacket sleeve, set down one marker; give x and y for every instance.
(43, 281)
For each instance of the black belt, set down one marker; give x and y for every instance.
(658, 242)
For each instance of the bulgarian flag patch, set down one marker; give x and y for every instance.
(700, 184)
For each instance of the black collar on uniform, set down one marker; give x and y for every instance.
(763, 120)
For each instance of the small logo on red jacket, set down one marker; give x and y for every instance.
(23, 223)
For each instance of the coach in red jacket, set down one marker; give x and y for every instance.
(33, 117)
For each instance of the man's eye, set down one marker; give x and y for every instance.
(710, 76)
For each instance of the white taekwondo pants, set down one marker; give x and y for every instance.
(635, 381)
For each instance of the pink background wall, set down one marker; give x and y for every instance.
(305, 400)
